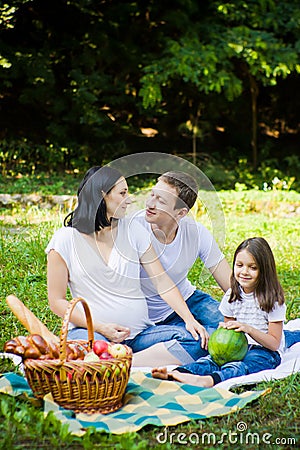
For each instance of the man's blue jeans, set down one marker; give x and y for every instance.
(257, 359)
(203, 307)
(206, 311)
(177, 339)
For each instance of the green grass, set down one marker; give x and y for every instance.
(24, 234)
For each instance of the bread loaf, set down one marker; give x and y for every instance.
(32, 324)
(34, 346)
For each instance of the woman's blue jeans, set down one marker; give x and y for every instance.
(257, 359)
(177, 339)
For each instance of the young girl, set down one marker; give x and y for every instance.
(255, 305)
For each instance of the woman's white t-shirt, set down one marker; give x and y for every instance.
(247, 310)
(111, 290)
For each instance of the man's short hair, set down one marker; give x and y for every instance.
(185, 185)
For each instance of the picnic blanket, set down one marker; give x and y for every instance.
(147, 401)
(150, 401)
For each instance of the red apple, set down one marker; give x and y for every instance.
(100, 347)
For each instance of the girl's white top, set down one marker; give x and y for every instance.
(247, 310)
(111, 290)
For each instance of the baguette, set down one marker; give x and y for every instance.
(29, 320)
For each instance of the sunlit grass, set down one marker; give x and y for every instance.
(24, 234)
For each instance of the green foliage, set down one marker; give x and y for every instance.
(80, 80)
(21, 156)
(20, 178)
(60, 75)
(203, 65)
(207, 56)
(236, 51)
(240, 175)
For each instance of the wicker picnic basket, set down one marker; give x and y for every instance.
(89, 387)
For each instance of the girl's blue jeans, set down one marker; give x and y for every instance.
(206, 310)
(257, 359)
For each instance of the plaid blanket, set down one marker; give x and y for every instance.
(147, 401)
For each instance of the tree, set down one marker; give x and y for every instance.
(68, 74)
(235, 45)
(83, 78)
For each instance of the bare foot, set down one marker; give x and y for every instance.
(194, 380)
(161, 373)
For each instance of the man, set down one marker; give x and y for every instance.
(179, 241)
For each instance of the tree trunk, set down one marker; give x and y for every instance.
(254, 95)
(195, 135)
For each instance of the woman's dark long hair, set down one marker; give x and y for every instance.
(268, 289)
(90, 215)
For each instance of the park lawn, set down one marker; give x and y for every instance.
(24, 233)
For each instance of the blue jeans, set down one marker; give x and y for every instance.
(177, 340)
(257, 359)
(203, 307)
(291, 337)
(206, 311)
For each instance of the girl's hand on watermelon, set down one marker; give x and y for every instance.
(237, 326)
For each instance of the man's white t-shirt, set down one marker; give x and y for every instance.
(192, 241)
(247, 310)
(112, 290)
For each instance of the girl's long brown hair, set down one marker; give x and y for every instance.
(268, 289)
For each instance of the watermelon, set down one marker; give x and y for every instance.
(227, 345)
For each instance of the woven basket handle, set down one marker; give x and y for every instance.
(66, 320)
